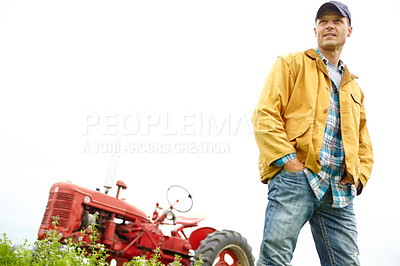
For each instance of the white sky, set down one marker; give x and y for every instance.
(167, 74)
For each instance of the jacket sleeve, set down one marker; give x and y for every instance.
(365, 152)
(268, 122)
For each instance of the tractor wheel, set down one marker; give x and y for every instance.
(223, 248)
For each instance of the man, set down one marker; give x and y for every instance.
(315, 151)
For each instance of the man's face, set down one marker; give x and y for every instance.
(331, 31)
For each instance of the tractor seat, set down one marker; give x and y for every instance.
(188, 221)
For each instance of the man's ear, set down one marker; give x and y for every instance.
(350, 31)
(315, 32)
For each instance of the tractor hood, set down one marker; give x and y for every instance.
(100, 200)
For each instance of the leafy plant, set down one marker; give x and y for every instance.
(52, 251)
(155, 260)
(14, 255)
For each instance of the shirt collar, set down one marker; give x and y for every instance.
(340, 65)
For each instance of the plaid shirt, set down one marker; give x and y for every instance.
(331, 154)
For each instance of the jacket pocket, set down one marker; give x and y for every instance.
(356, 103)
(295, 127)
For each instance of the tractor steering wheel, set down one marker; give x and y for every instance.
(179, 198)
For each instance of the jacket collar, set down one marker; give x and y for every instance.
(347, 76)
(320, 63)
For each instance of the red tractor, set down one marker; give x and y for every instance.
(127, 232)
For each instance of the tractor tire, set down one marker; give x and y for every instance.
(223, 248)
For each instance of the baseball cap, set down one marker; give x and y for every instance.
(334, 6)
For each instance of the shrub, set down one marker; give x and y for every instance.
(51, 251)
(14, 255)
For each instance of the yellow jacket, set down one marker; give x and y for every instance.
(292, 112)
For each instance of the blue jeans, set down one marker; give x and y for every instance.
(291, 203)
